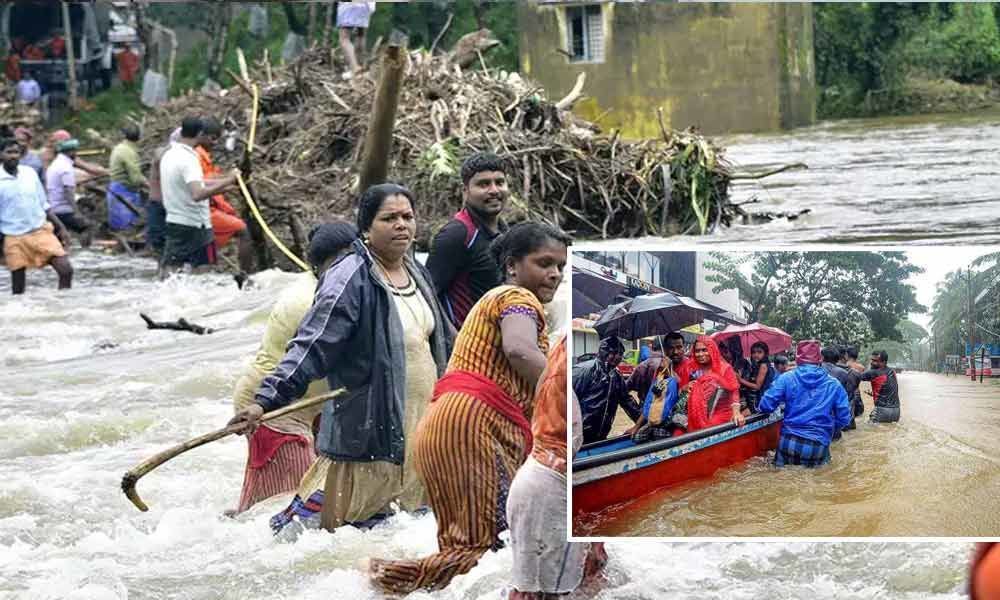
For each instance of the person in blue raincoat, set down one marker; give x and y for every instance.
(816, 406)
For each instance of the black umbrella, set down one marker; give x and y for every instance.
(652, 314)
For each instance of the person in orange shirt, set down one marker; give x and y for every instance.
(984, 580)
(226, 222)
(57, 46)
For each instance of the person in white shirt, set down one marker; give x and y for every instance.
(188, 236)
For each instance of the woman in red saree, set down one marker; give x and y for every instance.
(707, 408)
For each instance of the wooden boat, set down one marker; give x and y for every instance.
(617, 470)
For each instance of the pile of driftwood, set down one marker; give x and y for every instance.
(312, 126)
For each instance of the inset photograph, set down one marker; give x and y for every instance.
(786, 394)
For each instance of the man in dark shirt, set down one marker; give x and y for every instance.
(460, 261)
(831, 356)
(600, 389)
(885, 389)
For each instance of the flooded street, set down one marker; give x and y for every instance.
(89, 392)
(935, 473)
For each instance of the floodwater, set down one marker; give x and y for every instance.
(935, 473)
(89, 392)
(901, 180)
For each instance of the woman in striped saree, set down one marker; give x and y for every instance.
(476, 433)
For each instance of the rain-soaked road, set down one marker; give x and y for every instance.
(935, 473)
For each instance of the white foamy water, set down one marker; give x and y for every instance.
(88, 393)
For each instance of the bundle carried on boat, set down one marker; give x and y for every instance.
(562, 169)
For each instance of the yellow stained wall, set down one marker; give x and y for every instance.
(723, 67)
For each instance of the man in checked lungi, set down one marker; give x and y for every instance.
(815, 406)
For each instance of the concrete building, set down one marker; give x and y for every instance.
(722, 67)
(601, 278)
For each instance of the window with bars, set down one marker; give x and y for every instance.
(585, 29)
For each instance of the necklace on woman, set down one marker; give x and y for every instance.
(388, 277)
(398, 291)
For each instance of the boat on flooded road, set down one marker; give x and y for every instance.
(617, 470)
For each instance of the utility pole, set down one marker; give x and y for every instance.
(972, 324)
(70, 58)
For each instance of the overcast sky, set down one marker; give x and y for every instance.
(937, 262)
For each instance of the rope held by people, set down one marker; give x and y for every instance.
(249, 198)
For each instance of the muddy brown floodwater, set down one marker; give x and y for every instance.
(935, 473)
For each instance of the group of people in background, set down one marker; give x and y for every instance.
(674, 391)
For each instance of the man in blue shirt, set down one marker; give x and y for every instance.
(816, 406)
(27, 223)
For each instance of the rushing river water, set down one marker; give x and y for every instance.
(906, 180)
(89, 392)
(935, 473)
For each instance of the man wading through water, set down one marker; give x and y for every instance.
(460, 261)
(885, 389)
(26, 222)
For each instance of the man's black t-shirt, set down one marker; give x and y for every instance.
(462, 266)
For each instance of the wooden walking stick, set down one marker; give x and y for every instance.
(136, 473)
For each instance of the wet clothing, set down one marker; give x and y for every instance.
(183, 244)
(226, 224)
(32, 250)
(179, 167)
(156, 225)
(271, 467)
(800, 451)
(885, 390)
(468, 449)
(121, 216)
(548, 423)
(815, 403)
(461, 264)
(600, 391)
(353, 336)
(717, 376)
(23, 203)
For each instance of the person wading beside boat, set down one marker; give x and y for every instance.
(855, 367)
(545, 564)
(713, 390)
(476, 434)
(376, 329)
(885, 389)
(815, 406)
(601, 390)
(460, 260)
(282, 450)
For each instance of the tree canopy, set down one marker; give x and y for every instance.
(845, 297)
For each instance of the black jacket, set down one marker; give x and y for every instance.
(599, 392)
(353, 336)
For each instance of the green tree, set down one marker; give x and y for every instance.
(831, 296)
